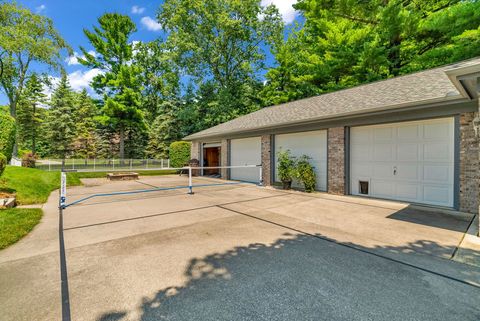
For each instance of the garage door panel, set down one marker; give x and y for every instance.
(382, 171)
(245, 151)
(407, 151)
(383, 152)
(437, 152)
(407, 172)
(407, 133)
(382, 135)
(312, 144)
(381, 188)
(437, 195)
(422, 152)
(437, 173)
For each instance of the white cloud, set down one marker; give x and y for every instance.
(285, 7)
(151, 24)
(41, 8)
(137, 10)
(73, 60)
(81, 79)
(78, 80)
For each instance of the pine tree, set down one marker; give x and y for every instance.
(85, 143)
(29, 113)
(61, 120)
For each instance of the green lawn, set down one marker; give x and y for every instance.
(104, 174)
(32, 186)
(15, 223)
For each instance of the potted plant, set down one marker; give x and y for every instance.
(305, 173)
(286, 168)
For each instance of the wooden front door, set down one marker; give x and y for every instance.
(211, 158)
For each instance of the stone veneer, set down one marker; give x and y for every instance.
(336, 160)
(224, 158)
(195, 150)
(469, 164)
(266, 159)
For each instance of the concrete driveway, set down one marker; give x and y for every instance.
(239, 252)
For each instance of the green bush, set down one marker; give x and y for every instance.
(7, 135)
(28, 160)
(286, 167)
(22, 152)
(179, 153)
(3, 163)
(304, 172)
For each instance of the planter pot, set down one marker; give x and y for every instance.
(287, 184)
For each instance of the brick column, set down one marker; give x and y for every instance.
(224, 158)
(336, 160)
(267, 160)
(195, 150)
(469, 164)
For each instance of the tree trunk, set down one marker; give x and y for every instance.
(122, 143)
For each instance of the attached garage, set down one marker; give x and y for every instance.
(407, 161)
(313, 144)
(245, 151)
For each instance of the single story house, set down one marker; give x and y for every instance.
(412, 138)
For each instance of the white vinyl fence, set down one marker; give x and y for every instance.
(100, 165)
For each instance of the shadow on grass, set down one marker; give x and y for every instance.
(308, 277)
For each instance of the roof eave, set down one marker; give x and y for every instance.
(393, 108)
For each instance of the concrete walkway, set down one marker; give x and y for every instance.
(240, 253)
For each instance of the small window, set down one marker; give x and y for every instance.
(363, 187)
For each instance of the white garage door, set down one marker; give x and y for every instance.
(245, 151)
(313, 144)
(409, 161)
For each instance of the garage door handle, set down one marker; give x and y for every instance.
(395, 170)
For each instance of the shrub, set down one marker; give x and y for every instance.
(3, 163)
(304, 172)
(179, 153)
(28, 160)
(22, 152)
(7, 135)
(286, 167)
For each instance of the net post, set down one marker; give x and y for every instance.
(94, 163)
(190, 185)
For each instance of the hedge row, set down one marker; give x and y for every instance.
(3, 163)
(7, 135)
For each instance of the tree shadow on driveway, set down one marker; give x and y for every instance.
(302, 277)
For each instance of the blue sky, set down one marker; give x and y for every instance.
(71, 17)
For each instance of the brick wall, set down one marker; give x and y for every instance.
(224, 158)
(336, 160)
(267, 160)
(469, 164)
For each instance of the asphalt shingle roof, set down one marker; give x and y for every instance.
(419, 87)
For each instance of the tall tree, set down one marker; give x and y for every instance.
(29, 117)
(60, 125)
(345, 43)
(25, 38)
(218, 44)
(119, 82)
(85, 110)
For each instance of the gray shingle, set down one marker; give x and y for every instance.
(414, 88)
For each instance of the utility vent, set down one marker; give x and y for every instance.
(363, 187)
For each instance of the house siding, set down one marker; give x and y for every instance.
(469, 164)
